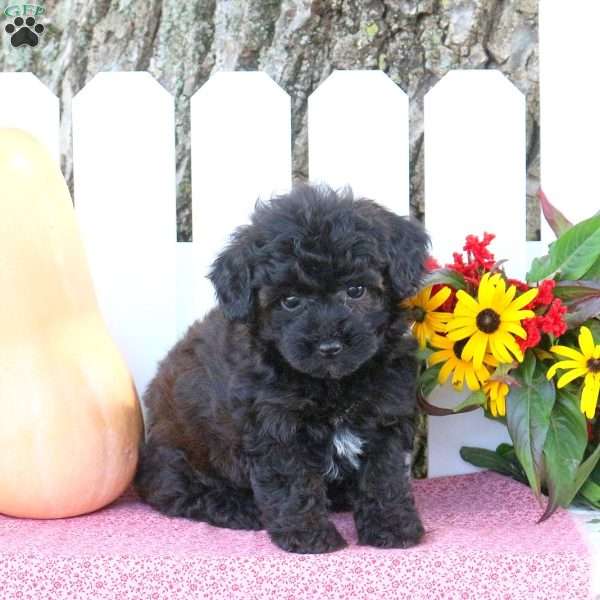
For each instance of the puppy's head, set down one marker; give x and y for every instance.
(320, 275)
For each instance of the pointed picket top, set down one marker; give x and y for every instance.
(569, 108)
(241, 151)
(124, 175)
(136, 82)
(474, 182)
(26, 103)
(475, 164)
(358, 136)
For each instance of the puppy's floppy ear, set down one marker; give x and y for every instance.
(231, 274)
(401, 243)
(407, 249)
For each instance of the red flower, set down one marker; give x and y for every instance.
(469, 270)
(520, 285)
(532, 327)
(545, 293)
(450, 303)
(478, 258)
(431, 264)
(458, 264)
(553, 321)
(478, 252)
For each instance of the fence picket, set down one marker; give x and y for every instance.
(474, 182)
(475, 164)
(358, 136)
(26, 103)
(124, 175)
(241, 151)
(569, 118)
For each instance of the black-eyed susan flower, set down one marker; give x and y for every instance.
(427, 320)
(584, 364)
(496, 392)
(490, 321)
(462, 371)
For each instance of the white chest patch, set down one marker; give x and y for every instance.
(345, 445)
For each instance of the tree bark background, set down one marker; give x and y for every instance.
(298, 43)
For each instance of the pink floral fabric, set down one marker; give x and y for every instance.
(481, 543)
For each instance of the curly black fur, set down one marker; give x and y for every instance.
(271, 412)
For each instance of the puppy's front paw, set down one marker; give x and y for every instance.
(404, 532)
(310, 541)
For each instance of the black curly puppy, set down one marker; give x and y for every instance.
(296, 396)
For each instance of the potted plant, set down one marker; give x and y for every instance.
(528, 351)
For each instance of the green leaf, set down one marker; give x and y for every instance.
(595, 474)
(505, 449)
(575, 291)
(487, 459)
(579, 313)
(594, 326)
(590, 490)
(424, 353)
(529, 407)
(583, 500)
(571, 255)
(507, 452)
(541, 264)
(557, 221)
(582, 298)
(475, 399)
(495, 461)
(526, 369)
(447, 277)
(428, 379)
(594, 271)
(563, 451)
(585, 470)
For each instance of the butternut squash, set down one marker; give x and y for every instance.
(70, 421)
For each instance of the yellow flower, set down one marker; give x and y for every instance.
(428, 321)
(491, 321)
(580, 364)
(450, 354)
(496, 392)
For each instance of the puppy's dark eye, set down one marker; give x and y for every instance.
(291, 302)
(355, 291)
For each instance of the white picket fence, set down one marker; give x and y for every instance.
(150, 288)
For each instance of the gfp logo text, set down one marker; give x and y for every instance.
(24, 10)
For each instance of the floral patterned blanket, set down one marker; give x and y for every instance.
(482, 543)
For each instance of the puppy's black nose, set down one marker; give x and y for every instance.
(329, 349)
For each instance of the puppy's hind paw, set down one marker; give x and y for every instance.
(310, 541)
(404, 534)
